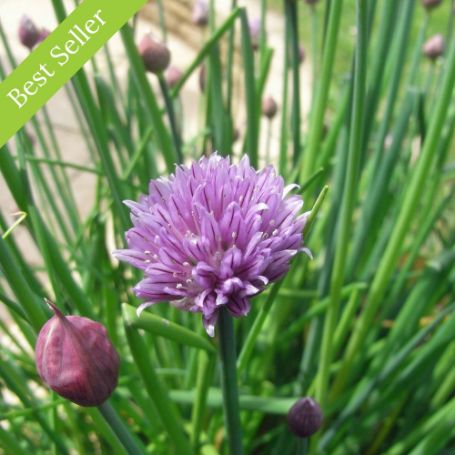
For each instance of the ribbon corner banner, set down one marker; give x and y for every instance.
(58, 58)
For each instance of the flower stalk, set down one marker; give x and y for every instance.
(118, 427)
(229, 383)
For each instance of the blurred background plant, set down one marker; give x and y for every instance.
(366, 328)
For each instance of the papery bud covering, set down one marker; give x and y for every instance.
(430, 4)
(254, 26)
(305, 417)
(434, 47)
(173, 75)
(43, 34)
(28, 32)
(156, 56)
(76, 359)
(200, 14)
(269, 107)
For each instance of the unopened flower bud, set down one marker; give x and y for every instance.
(305, 417)
(155, 55)
(43, 34)
(269, 107)
(430, 4)
(28, 32)
(75, 358)
(173, 75)
(434, 47)
(254, 26)
(200, 14)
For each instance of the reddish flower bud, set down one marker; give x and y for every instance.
(43, 34)
(430, 4)
(28, 32)
(305, 417)
(200, 14)
(434, 47)
(269, 107)
(156, 56)
(173, 75)
(75, 358)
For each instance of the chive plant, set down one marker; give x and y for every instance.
(365, 330)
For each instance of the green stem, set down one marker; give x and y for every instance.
(250, 342)
(349, 196)
(292, 22)
(229, 383)
(171, 114)
(157, 391)
(282, 165)
(119, 429)
(206, 366)
(302, 446)
(405, 217)
(322, 93)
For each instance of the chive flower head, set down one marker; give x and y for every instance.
(213, 235)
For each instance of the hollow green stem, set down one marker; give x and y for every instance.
(322, 93)
(119, 429)
(171, 115)
(348, 199)
(229, 383)
(292, 22)
(405, 217)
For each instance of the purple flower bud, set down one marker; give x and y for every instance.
(434, 47)
(173, 75)
(155, 55)
(305, 417)
(431, 4)
(254, 26)
(28, 33)
(200, 14)
(43, 34)
(269, 107)
(75, 358)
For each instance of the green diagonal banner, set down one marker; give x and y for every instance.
(58, 58)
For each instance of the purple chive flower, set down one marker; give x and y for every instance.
(212, 236)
